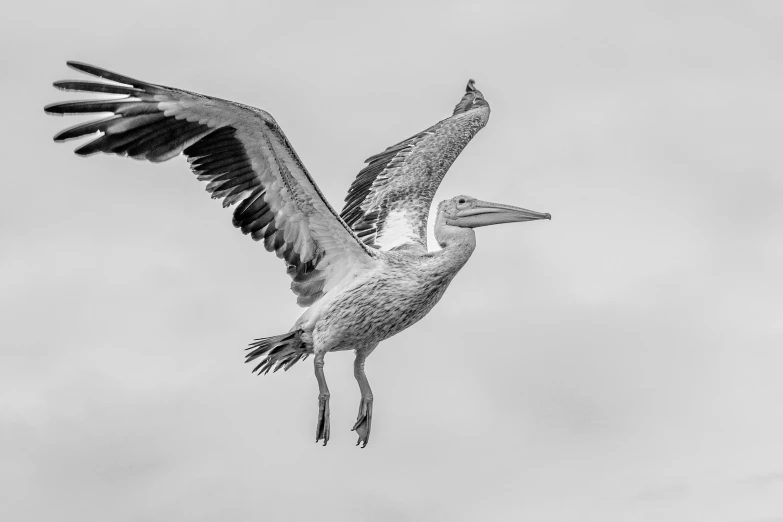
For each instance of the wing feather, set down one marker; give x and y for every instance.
(388, 203)
(242, 155)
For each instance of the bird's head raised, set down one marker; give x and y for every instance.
(471, 100)
(468, 212)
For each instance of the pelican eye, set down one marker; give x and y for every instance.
(461, 201)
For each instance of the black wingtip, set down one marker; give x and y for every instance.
(103, 73)
(48, 109)
(83, 67)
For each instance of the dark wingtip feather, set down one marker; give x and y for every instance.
(83, 86)
(149, 88)
(82, 129)
(48, 109)
(102, 73)
(89, 149)
(85, 106)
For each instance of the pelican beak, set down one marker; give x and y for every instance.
(483, 213)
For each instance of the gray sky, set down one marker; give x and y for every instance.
(619, 363)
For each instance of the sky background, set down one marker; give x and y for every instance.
(619, 363)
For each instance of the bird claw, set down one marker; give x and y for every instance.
(322, 427)
(363, 422)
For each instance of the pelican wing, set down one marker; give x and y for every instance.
(389, 201)
(245, 159)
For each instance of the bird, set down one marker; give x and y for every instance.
(364, 274)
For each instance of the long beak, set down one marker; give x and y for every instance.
(483, 213)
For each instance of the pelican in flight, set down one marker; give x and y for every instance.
(364, 274)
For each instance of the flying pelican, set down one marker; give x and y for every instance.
(364, 274)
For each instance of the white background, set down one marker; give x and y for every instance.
(619, 363)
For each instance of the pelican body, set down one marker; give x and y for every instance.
(364, 274)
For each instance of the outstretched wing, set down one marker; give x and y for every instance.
(243, 155)
(389, 201)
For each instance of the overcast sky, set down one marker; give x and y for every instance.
(619, 363)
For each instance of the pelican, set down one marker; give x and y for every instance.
(365, 274)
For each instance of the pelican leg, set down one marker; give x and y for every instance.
(364, 418)
(322, 428)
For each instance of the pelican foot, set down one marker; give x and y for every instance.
(322, 428)
(363, 421)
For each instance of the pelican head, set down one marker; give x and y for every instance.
(468, 212)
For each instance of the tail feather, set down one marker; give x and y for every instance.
(280, 351)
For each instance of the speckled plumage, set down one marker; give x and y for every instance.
(398, 293)
(365, 274)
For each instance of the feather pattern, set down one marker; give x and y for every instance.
(389, 201)
(245, 159)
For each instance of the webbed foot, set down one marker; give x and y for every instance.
(363, 421)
